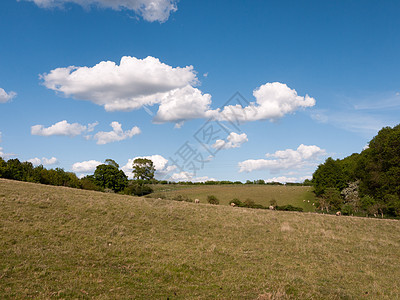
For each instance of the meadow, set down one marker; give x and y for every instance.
(260, 194)
(63, 243)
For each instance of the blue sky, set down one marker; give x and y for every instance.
(141, 78)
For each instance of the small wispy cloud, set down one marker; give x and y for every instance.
(6, 97)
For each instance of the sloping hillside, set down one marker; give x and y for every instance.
(260, 194)
(64, 243)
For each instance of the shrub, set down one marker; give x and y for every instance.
(88, 184)
(212, 200)
(347, 209)
(138, 189)
(178, 198)
(249, 203)
(182, 198)
(288, 208)
(237, 202)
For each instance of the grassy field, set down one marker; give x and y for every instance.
(63, 243)
(260, 194)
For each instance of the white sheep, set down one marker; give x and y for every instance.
(233, 204)
(196, 201)
(338, 213)
(271, 207)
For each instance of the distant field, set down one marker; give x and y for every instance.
(64, 243)
(260, 194)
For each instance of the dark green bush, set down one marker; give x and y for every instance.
(237, 202)
(212, 200)
(288, 208)
(138, 189)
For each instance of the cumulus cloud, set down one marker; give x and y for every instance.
(85, 166)
(273, 101)
(149, 10)
(62, 128)
(5, 97)
(183, 104)
(284, 159)
(127, 86)
(160, 163)
(234, 140)
(44, 161)
(117, 134)
(138, 83)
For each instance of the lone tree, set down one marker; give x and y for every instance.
(143, 168)
(109, 176)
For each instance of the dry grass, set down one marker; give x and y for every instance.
(62, 243)
(260, 194)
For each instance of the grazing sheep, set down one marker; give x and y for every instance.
(338, 213)
(308, 201)
(304, 200)
(233, 204)
(271, 207)
(196, 201)
(313, 204)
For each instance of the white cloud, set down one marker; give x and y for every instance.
(183, 104)
(44, 161)
(5, 155)
(61, 128)
(138, 83)
(160, 164)
(85, 166)
(49, 161)
(283, 159)
(234, 140)
(5, 97)
(150, 10)
(117, 134)
(187, 176)
(284, 179)
(127, 86)
(273, 101)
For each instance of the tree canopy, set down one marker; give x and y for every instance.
(375, 172)
(143, 168)
(110, 177)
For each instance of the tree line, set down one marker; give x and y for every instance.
(366, 183)
(107, 177)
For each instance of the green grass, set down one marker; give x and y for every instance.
(63, 243)
(260, 194)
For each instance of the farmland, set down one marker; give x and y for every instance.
(260, 194)
(63, 243)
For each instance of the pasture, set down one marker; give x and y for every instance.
(62, 243)
(260, 194)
